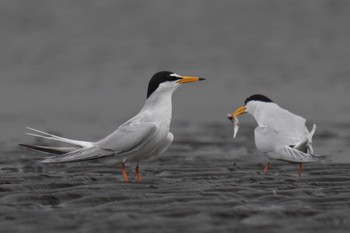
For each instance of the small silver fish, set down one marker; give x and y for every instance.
(235, 124)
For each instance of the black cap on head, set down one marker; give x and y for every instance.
(158, 78)
(258, 97)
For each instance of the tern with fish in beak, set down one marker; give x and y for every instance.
(280, 135)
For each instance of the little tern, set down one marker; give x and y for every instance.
(280, 135)
(144, 137)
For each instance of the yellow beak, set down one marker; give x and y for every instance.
(189, 79)
(239, 111)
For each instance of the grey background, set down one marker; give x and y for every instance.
(83, 66)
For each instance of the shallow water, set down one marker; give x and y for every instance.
(79, 69)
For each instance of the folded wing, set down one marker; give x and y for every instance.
(277, 146)
(126, 139)
(129, 137)
(290, 154)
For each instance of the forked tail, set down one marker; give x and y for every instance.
(55, 150)
(306, 144)
(48, 136)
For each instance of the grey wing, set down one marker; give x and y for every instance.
(276, 146)
(129, 137)
(288, 125)
(268, 140)
(83, 154)
(290, 154)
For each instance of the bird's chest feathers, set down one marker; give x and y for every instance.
(159, 110)
(162, 116)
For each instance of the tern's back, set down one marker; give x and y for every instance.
(287, 124)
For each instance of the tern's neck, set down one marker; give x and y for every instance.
(260, 110)
(255, 113)
(160, 105)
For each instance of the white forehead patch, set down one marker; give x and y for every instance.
(175, 75)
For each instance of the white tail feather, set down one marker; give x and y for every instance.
(48, 136)
(307, 141)
(311, 134)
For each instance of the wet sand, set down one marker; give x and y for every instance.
(210, 183)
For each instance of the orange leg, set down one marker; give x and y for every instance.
(138, 173)
(300, 168)
(126, 179)
(266, 167)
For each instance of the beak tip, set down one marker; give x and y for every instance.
(201, 79)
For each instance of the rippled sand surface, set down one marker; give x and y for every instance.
(203, 184)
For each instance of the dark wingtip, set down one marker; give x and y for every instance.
(27, 146)
(322, 157)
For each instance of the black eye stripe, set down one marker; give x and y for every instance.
(173, 78)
